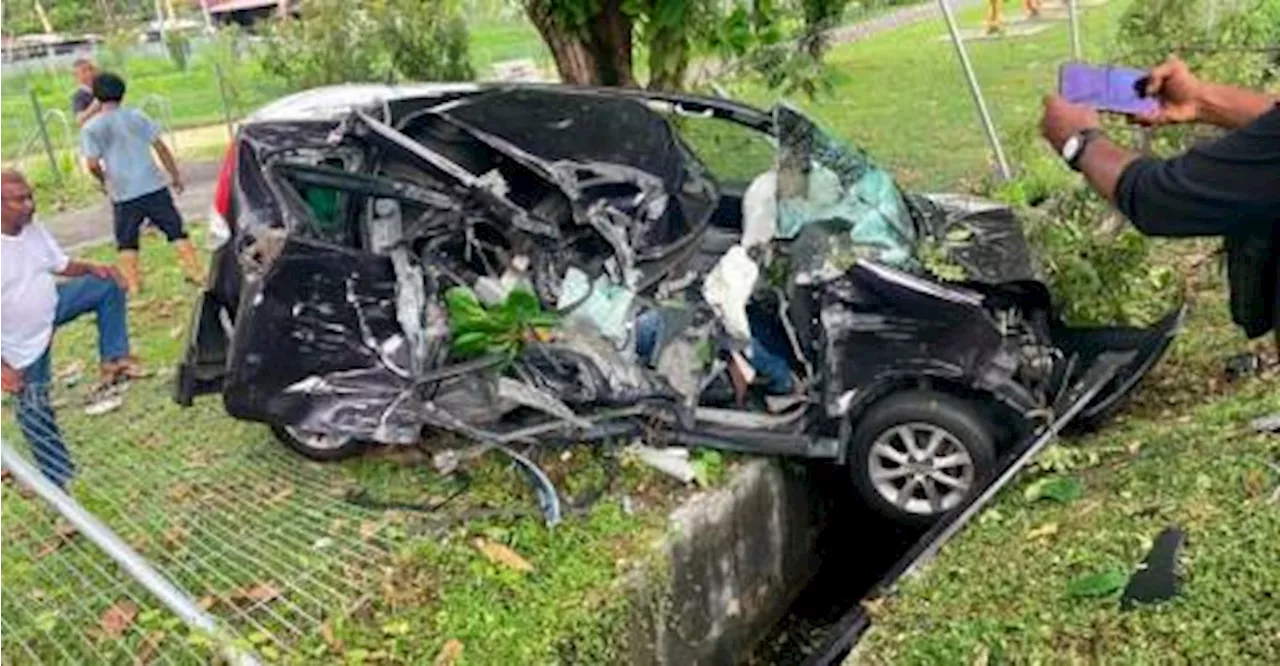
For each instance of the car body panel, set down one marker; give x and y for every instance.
(331, 300)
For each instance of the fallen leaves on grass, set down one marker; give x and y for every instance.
(258, 593)
(1255, 482)
(147, 648)
(449, 653)
(116, 619)
(501, 554)
(175, 538)
(63, 532)
(1062, 489)
(1098, 584)
(330, 639)
(874, 608)
(1043, 531)
(281, 495)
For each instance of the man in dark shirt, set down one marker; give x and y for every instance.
(1211, 189)
(83, 105)
(1228, 187)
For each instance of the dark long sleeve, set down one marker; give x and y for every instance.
(1221, 188)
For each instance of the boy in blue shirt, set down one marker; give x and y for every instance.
(116, 144)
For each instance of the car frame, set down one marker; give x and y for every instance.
(917, 385)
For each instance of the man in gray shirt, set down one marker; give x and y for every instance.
(117, 144)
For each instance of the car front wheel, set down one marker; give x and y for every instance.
(319, 446)
(916, 455)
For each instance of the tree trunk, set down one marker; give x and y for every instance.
(600, 55)
(611, 42)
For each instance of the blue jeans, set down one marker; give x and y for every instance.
(772, 366)
(35, 410)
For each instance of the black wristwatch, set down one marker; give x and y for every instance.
(1073, 148)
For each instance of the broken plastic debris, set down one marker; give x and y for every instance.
(760, 210)
(1269, 424)
(671, 461)
(604, 304)
(1156, 579)
(728, 287)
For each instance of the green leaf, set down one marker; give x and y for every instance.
(1097, 584)
(471, 343)
(1062, 489)
(522, 303)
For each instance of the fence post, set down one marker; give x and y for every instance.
(226, 104)
(173, 597)
(44, 136)
(975, 90)
(1073, 21)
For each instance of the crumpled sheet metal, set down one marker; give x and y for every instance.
(899, 326)
(994, 249)
(581, 367)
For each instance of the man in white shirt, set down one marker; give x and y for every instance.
(33, 303)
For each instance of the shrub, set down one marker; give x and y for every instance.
(383, 40)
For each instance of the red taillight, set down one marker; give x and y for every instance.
(222, 190)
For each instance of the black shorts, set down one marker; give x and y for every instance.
(157, 207)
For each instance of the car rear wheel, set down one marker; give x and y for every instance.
(319, 446)
(916, 455)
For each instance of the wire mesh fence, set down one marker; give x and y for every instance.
(260, 540)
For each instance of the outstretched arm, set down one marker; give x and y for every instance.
(169, 163)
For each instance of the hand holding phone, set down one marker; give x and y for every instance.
(1114, 89)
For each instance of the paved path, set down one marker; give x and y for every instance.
(90, 226)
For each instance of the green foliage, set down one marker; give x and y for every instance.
(709, 467)
(385, 40)
(1101, 584)
(1060, 489)
(1223, 42)
(1099, 269)
(501, 329)
(1098, 276)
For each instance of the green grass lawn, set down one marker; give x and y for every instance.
(903, 96)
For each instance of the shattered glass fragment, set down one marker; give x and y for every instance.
(822, 179)
(603, 304)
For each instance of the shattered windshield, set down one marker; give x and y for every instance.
(821, 179)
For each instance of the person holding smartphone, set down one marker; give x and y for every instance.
(1228, 187)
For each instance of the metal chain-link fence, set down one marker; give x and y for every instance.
(258, 540)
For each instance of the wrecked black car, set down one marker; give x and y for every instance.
(531, 264)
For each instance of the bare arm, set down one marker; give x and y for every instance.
(1232, 108)
(169, 163)
(94, 166)
(88, 113)
(76, 268)
(12, 378)
(1184, 98)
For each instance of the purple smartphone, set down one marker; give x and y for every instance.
(1114, 89)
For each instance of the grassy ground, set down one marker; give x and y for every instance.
(1181, 454)
(222, 507)
(903, 96)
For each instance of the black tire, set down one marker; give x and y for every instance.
(923, 413)
(347, 449)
